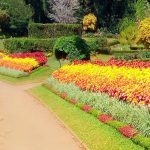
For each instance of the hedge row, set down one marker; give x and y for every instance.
(38, 30)
(133, 54)
(17, 45)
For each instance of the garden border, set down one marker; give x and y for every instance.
(121, 127)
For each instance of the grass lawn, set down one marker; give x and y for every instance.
(96, 135)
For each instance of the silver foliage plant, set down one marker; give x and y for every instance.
(63, 11)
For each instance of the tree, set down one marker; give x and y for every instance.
(19, 16)
(63, 11)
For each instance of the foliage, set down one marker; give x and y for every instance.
(72, 47)
(125, 23)
(144, 32)
(4, 17)
(93, 44)
(129, 114)
(38, 30)
(17, 45)
(130, 55)
(99, 45)
(89, 22)
(63, 11)
(19, 13)
(128, 35)
(142, 8)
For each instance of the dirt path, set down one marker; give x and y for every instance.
(26, 125)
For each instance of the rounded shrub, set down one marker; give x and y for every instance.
(71, 47)
(144, 32)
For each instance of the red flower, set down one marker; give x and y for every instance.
(104, 118)
(128, 131)
(86, 108)
(63, 95)
(73, 101)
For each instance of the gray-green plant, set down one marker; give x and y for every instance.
(137, 116)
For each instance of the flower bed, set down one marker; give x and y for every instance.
(115, 90)
(64, 91)
(127, 81)
(17, 65)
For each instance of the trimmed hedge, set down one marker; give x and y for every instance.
(39, 30)
(71, 47)
(131, 55)
(17, 45)
(99, 45)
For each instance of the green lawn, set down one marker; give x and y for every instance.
(96, 135)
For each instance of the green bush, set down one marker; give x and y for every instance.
(99, 45)
(16, 45)
(38, 30)
(72, 47)
(19, 15)
(93, 44)
(128, 35)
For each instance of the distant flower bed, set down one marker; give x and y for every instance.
(21, 64)
(127, 81)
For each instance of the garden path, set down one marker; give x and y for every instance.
(25, 124)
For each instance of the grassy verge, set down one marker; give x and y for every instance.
(96, 135)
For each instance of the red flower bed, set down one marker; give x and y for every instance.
(86, 108)
(38, 56)
(63, 95)
(128, 131)
(104, 118)
(116, 62)
(73, 101)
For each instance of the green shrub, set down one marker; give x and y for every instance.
(99, 45)
(72, 47)
(19, 16)
(16, 45)
(128, 35)
(93, 44)
(95, 112)
(116, 124)
(38, 30)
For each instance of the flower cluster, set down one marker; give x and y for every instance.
(128, 81)
(89, 22)
(38, 56)
(24, 62)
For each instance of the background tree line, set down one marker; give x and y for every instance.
(16, 14)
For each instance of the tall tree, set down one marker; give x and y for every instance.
(19, 16)
(63, 11)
